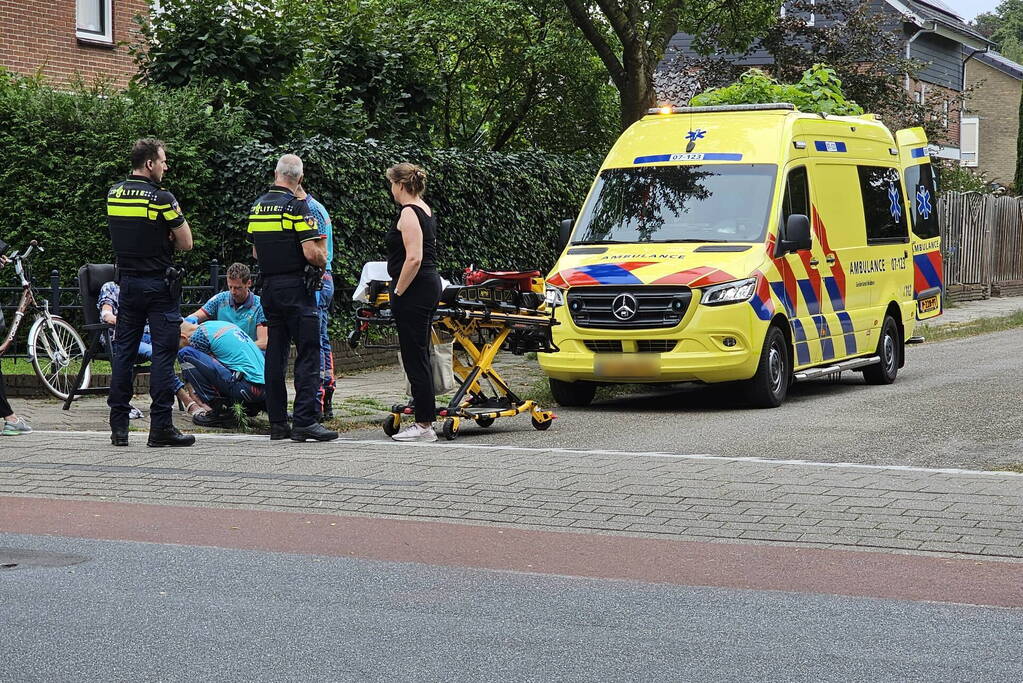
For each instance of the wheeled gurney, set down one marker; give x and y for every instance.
(490, 312)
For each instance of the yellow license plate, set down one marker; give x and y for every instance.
(632, 366)
(929, 304)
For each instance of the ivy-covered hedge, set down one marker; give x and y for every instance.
(60, 151)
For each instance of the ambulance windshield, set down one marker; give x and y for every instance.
(706, 203)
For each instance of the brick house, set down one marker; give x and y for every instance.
(931, 33)
(65, 38)
(991, 120)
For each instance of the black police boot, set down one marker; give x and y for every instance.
(328, 406)
(315, 431)
(169, 437)
(119, 437)
(279, 430)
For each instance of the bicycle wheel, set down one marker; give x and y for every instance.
(57, 353)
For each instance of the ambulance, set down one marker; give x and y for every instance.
(748, 243)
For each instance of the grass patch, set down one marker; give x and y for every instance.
(23, 366)
(945, 332)
(359, 406)
(540, 391)
(1018, 468)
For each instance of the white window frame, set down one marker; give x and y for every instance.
(813, 15)
(969, 153)
(107, 34)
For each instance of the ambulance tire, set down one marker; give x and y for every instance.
(769, 386)
(889, 350)
(572, 394)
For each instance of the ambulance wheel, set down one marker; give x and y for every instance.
(572, 394)
(390, 425)
(484, 421)
(449, 430)
(769, 386)
(889, 346)
(541, 425)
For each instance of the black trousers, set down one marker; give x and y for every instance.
(413, 316)
(5, 407)
(291, 317)
(145, 300)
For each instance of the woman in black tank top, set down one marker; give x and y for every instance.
(415, 290)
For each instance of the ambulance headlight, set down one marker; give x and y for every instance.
(554, 296)
(729, 292)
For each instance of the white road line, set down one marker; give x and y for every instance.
(575, 451)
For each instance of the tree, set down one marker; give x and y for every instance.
(631, 36)
(510, 74)
(1004, 27)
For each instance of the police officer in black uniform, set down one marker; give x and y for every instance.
(289, 247)
(146, 226)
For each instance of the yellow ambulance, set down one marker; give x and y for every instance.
(749, 243)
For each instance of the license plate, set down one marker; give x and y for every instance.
(637, 366)
(929, 304)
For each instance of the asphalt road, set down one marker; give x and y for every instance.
(140, 611)
(954, 404)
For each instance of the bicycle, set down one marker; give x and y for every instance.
(54, 346)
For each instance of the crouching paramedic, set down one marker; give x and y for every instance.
(224, 366)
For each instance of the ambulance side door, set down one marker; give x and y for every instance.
(922, 191)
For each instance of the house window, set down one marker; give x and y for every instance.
(811, 19)
(94, 21)
(969, 141)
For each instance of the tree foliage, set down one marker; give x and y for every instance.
(1004, 26)
(819, 91)
(631, 36)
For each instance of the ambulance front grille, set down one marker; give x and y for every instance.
(652, 307)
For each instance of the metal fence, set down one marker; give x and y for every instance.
(982, 238)
(65, 299)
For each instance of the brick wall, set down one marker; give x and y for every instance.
(40, 34)
(935, 97)
(995, 101)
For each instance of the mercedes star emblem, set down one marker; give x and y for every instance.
(624, 306)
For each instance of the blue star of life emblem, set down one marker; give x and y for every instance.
(896, 207)
(923, 202)
(694, 135)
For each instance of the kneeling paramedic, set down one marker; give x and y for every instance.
(146, 226)
(286, 242)
(225, 366)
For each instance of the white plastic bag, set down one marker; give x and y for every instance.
(442, 366)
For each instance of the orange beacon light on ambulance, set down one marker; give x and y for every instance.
(747, 243)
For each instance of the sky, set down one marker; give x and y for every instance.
(969, 9)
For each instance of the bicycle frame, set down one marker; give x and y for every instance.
(28, 301)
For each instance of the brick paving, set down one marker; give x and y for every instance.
(685, 497)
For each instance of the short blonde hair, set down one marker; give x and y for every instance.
(411, 177)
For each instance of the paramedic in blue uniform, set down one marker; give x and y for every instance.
(285, 240)
(146, 227)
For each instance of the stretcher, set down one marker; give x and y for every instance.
(491, 311)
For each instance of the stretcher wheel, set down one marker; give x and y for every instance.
(391, 424)
(449, 429)
(541, 425)
(484, 421)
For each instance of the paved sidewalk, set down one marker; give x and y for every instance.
(651, 494)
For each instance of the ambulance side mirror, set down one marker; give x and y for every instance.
(564, 233)
(797, 234)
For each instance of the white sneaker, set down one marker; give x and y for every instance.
(135, 413)
(416, 433)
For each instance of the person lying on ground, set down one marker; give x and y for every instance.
(109, 294)
(225, 366)
(238, 305)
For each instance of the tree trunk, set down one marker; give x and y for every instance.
(638, 94)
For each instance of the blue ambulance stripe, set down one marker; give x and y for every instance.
(927, 270)
(837, 302)
(781, 293)
(722, 156)
(849, 331)
(802, 348)
(652, 159)
(812, 303)
(918, 153)
(610, 274)
(760, 308)
(822, 146)
(827, 344)
(708, 156)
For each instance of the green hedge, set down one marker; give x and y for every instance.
(60, 151)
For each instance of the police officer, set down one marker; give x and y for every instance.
(285, 240)
(146, 226)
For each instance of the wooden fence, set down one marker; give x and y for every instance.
(982, 241)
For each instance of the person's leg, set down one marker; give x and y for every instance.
(165, 329)
(413, 319)
(6, 411)
(203, 372)
(278, 345)
(131, 319)
(324, 299)
(10, 424)
(305, 327)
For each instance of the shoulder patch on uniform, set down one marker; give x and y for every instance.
(310, 221)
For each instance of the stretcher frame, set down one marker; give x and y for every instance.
(494, 326)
